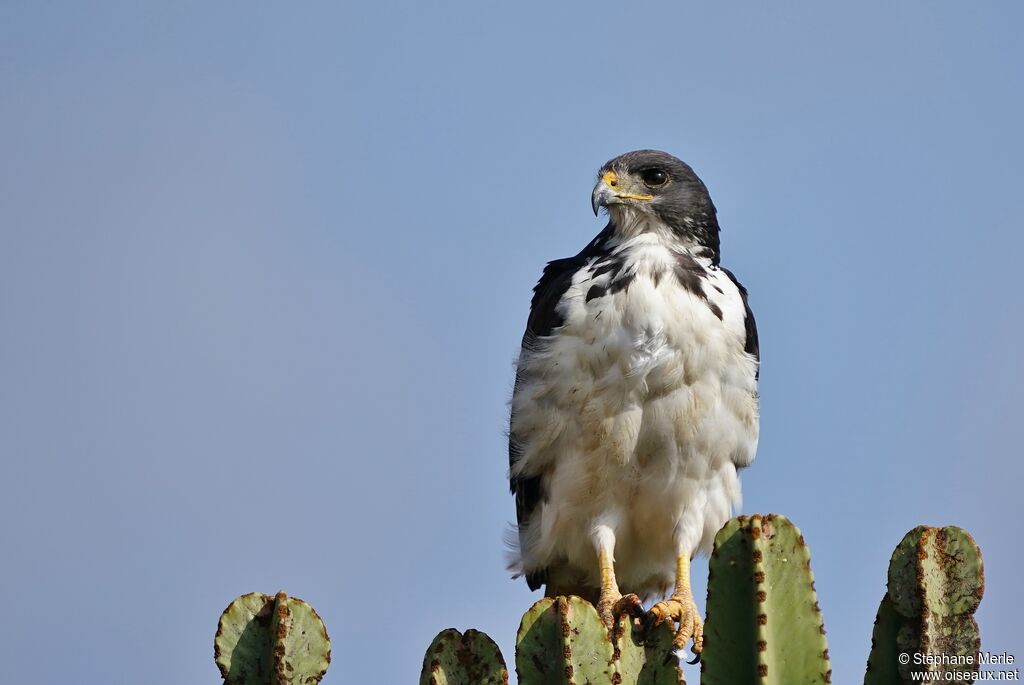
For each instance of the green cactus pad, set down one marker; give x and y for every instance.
(472, 658)
(763, 622)
(271, 640)
(883, 667)
(940, 568)
(661, 663)
(936, 581)
(562, 641)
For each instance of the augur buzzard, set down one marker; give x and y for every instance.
(635, 400)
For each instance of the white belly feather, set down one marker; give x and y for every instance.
(638, 412)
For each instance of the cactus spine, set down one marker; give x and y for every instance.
(271, 640)
(936, 581)
(763, 622)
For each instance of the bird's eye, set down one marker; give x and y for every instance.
(653, 177)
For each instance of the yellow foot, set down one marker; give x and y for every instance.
(613, 605)
(681, 609)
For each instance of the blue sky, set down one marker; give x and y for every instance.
(264, 270)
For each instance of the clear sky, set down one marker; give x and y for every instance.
(264, 269)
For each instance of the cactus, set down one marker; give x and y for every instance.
(763, 625)
(562, 640)
(463, 659)
(936, 581)
(265, 640)
(763, 621)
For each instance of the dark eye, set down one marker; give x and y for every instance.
(653, 177)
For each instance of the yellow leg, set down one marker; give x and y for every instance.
(609, 585)
(612, 603)
(682, 609)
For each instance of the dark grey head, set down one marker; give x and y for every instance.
(653, 184)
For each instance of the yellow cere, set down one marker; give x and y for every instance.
(611, 180)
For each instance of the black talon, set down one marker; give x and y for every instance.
(647, 621)
(696, 659)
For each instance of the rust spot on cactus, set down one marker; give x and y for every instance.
(435, 666)
(762, 645)
(761, 595)
(759, 577)
(769, 529)
(283, 614)
(568, 673)
(762, 619)
(755, 532)
(616, 678)
(567, 652)
(757, 556)
(762, 670)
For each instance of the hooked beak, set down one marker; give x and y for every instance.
(607, 192)
(601, 197)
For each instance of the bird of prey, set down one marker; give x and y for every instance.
(635, 401)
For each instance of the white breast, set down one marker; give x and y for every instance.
(637, 412)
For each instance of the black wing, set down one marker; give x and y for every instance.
(751, 346)
(543, 320)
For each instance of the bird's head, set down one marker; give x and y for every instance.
(649, 189)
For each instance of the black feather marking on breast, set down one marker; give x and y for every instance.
(693, 277)
(612, 266)
(621, 283)
(705, 251)
(615, 286)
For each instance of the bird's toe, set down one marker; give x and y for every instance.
(682, 611)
